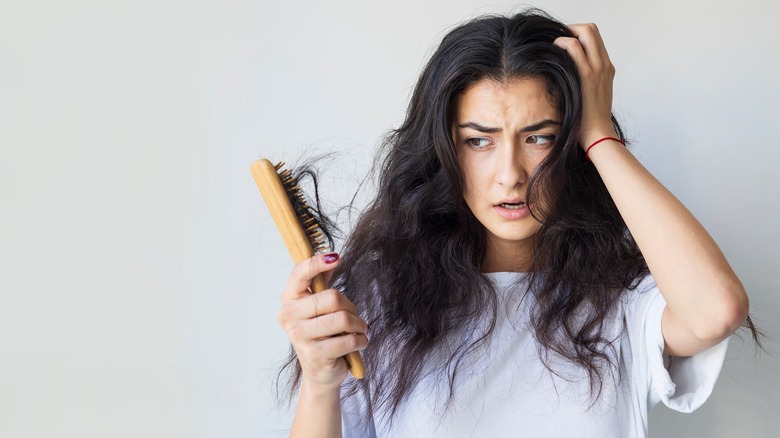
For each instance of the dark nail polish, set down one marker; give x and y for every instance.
(330, 257)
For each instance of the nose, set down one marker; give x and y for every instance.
(510, 169)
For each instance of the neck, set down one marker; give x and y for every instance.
(503, 256)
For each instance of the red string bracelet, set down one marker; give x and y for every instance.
(599, 141)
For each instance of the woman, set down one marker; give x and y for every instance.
(521, 272)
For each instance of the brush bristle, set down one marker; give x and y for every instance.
(309, 222)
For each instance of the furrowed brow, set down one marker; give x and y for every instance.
(540, 125)
(480, 128)
(490, 130)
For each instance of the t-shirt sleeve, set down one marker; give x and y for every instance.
(681, 383)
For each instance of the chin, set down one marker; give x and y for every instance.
(507, 238)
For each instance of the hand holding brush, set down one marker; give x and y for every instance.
(321, 323)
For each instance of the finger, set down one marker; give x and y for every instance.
(338, 346)
(336, 323)
(303, 272)
(303, 333)
(592, 43)
(573, 47)
(314, 305)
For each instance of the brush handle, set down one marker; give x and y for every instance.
(293, 235)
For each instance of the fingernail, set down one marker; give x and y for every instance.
(330, 257)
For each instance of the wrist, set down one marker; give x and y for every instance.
(603, 145)
(317, 411)
(320, 393)
(586, 140)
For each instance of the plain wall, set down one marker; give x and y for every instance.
(140, 272)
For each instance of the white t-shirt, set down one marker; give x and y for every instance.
(508, 392)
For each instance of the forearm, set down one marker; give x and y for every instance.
(322, 327)
(705, 300)
(317, 414)
(694, 277)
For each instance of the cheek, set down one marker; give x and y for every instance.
(465, 173)
(471, 182)
(468, 190)
(538, 160)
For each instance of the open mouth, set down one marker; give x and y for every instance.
(512, 206)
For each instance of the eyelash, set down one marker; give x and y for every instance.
(470, 141)
(550, 138)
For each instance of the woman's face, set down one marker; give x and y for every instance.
(502, 131)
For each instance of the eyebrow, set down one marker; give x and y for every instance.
(489, 130)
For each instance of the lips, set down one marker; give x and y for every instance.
(511, 209)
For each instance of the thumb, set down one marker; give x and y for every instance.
(303, 273)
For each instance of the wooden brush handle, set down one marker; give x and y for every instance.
(293, 234)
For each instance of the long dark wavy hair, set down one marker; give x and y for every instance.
(413, 263)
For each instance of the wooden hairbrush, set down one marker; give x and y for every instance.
(298, 227)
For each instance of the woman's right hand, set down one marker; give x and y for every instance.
(322, 327)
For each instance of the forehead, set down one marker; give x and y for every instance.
(519, 100)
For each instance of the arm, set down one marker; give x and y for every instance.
(705, 300)
(322, 327)
(317, 414)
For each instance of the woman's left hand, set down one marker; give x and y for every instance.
(596, 75)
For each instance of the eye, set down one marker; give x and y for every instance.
(477, 142)
(544, 140)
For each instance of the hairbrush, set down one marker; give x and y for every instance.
(299, 228)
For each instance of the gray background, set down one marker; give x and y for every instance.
(139, 271)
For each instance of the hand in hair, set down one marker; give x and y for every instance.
(705, 301)
(596, 74)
